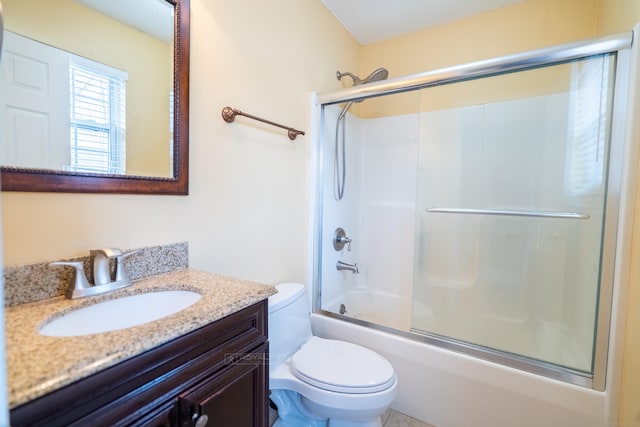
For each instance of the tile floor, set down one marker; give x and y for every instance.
(391, 418)
(397, 419)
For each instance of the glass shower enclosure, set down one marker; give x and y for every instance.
(480, 205)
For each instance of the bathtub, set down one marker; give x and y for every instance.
(540, 340)
(376, 307)
(449, 389)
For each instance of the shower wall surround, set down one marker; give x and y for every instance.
(525, 285)
(509, 277)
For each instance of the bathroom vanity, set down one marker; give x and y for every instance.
(205, 365)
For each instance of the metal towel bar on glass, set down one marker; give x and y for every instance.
(510, 212)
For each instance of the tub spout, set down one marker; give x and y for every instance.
(346, 266)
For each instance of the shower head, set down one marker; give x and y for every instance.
(377, 75)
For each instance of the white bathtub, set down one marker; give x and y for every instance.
(376, 307)
(448, 389)
(539, 340)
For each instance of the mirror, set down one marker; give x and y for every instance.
(150, 68)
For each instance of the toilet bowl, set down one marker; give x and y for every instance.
(321, 382)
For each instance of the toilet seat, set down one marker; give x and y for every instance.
(341, 367)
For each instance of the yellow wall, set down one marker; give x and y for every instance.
(247, 211)
(524, 26)
(617, 15)
(59, 22)
(532, 24)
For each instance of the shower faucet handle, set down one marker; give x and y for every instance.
(340, 239)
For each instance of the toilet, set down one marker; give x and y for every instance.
(321, 382)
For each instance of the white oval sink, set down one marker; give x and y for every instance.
(120, 313)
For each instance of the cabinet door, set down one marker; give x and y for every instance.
(235, 397)
(160, 417)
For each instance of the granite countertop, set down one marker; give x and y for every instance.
(38, 364)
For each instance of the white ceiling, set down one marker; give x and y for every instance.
(368, 21)
(371, 21)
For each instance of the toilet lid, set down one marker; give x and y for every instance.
(341, 366)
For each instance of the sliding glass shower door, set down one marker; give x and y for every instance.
(510, 209)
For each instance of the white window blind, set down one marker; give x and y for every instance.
(588, 123)
(97, 117)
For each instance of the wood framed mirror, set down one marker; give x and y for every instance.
(131, 177)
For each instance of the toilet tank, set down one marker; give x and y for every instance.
(289, 322)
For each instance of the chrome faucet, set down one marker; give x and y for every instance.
(346, 266)
(103, 280)
(102, 266)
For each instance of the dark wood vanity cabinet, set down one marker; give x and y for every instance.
(215, 376)
(226, 400)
